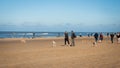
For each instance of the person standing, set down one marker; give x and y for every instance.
(112, 37)
(33, 35)
(96, 37)
(66, 39)
(73, 36)
(101, 37)
(118, 37)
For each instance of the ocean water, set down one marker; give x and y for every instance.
(8, 34)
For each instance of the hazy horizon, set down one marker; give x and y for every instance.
(60, 15)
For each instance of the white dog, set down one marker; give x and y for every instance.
(53, 43)
(23, 41)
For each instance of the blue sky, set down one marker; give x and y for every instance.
(60, 15)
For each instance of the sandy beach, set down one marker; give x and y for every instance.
(39, 53)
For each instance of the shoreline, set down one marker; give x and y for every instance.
(54, 37)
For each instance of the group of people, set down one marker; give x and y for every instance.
(96, 36)
(66, 39)
(117, 36)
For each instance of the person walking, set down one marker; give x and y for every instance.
(66, 39)
(96, 37)
(73, 36)
(112, 37)
(118, 37)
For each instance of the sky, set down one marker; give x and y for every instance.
(60, 15)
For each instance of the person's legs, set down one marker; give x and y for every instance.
(112, 40)
(95, 39)
(101, 39)
(68, 41)
(65, 41)
(73, 42)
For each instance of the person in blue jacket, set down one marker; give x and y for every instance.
(96, 37)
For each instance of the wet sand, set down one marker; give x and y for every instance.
(39, 53)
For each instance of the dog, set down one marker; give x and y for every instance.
(53, 43)
(23, 41)
(99, 41)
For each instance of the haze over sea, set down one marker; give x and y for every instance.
(60, 15)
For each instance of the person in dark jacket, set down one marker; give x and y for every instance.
(112, 37)
(73, 36)
(66, 39)
(101, 37)
(96, 37)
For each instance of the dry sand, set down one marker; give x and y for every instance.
(39, 53)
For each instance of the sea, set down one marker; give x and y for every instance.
(25, 34)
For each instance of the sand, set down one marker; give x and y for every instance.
(39, 53)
